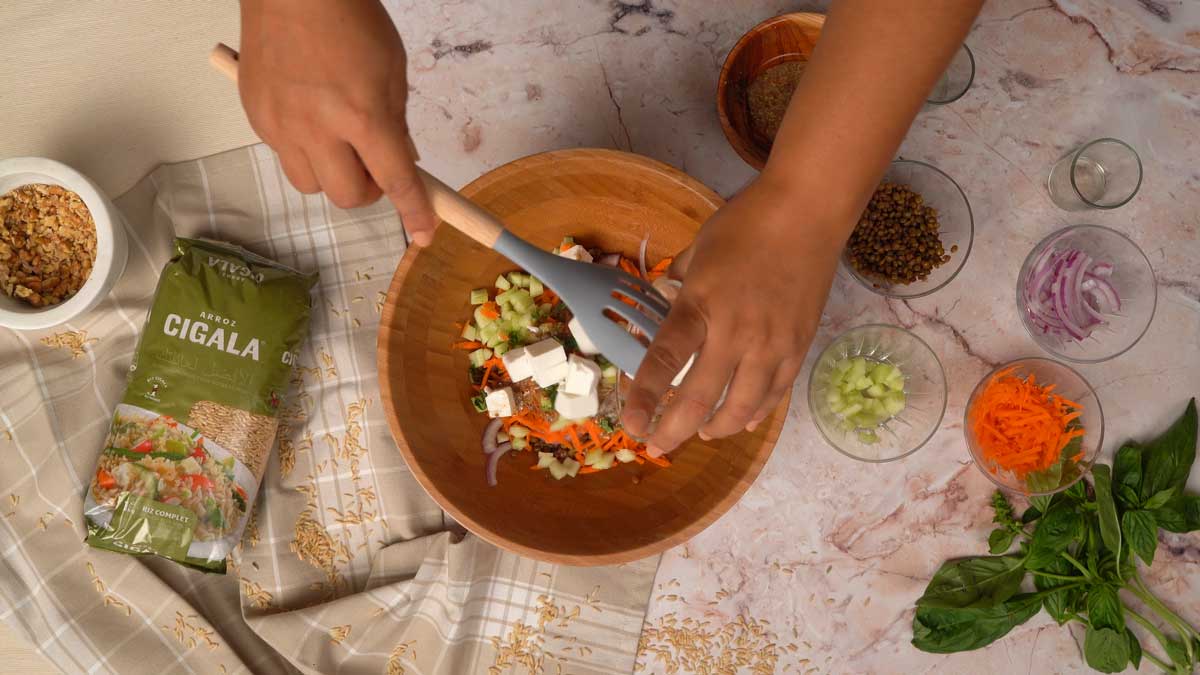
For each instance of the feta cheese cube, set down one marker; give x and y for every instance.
(518, 364)
(577, 252)
(548, 361)
(585, 343)
(551, 376)
(501, 402)
(583, 375)
(577, 407)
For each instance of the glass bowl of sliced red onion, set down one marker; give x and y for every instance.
(1086, 293)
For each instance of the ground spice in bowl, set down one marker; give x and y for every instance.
(896, 239)
(768, 96)
(47, 244)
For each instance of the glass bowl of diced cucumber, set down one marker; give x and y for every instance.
(877, 393)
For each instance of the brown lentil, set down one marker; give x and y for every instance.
(47, 244)
(896, 240)
(769, 94)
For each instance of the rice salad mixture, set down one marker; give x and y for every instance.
(191, 437)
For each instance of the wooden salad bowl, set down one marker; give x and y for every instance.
(789, 37)
(606, 199)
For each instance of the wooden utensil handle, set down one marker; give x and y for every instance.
(458, 211)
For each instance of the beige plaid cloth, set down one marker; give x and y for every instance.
(347, 565)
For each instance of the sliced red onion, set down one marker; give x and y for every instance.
(609, 259)
(494, 460)
(1067, 293)
(642, 256)
(489, 435)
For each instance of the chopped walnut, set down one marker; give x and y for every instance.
(47, 244)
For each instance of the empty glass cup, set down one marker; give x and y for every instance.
(1103, 174)
(956, 80)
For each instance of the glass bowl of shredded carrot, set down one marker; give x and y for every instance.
(877, 393)
(1034, 426)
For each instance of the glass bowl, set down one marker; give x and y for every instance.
(1068, 384)
(1132, 278)
(924, 389)
(956, 80)
(956, 227)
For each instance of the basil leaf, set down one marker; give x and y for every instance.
(1104, 608)
(1000, 540)
(1062, 603)
(1161, 497)
(1167, 460)
(941, 630)
(1135, 649)
(1142, 532)
(1106, 650)
(974, 582)
(1056, 531)
(1177, 652)
(1110, 527)
(1127, 473)
(1180, 514)
(1031, 514)
(1049, 478)
(1042, 502)
(1128, 496)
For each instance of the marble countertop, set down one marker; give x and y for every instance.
(817, 567)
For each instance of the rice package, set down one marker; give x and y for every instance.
(189, 441)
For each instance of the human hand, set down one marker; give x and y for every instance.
(755, 282)
(323, 83)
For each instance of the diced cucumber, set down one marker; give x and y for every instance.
(852, 409)
(535, 287)
(519, 444)
(876, 390)
(545, 459)
(895, 383)
(501, 349)
(863, 382)
(504, 298)
(592, 457)
(502, 437)
(502, 283)
(518, 279)
(518, 431)
(893, 403)
(479, 357)
(470, 332)
(567, 242)
(571, 466)
(557, 469)
(868, 436)
(609, 373)
(545, 308)
(561, 423)
(625, 455)
(858, 368)
(479, 296)
(479, 402)
(480, 319)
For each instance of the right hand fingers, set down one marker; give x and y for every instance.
(389, 158)
(342, 175)
(297, 169)
(680, 336)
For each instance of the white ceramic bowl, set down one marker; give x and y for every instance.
(111, 247)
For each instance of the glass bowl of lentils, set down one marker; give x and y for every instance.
(915, 234)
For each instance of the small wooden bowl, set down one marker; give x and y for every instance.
(607, 199)
(789, 37)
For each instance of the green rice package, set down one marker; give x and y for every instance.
(189, 441)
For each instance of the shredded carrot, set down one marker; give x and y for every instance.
(663, 265)
(1021, 426)
(630, 268)
(548, 297)
(490, 310)
(660, 461)
(468, 345)
(486, 374)
(566, 246)
(535, 467)
(589, 469)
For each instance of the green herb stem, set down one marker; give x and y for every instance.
(1149, 626)
(1143, 593)
(1078, 565)
(1049, 575)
